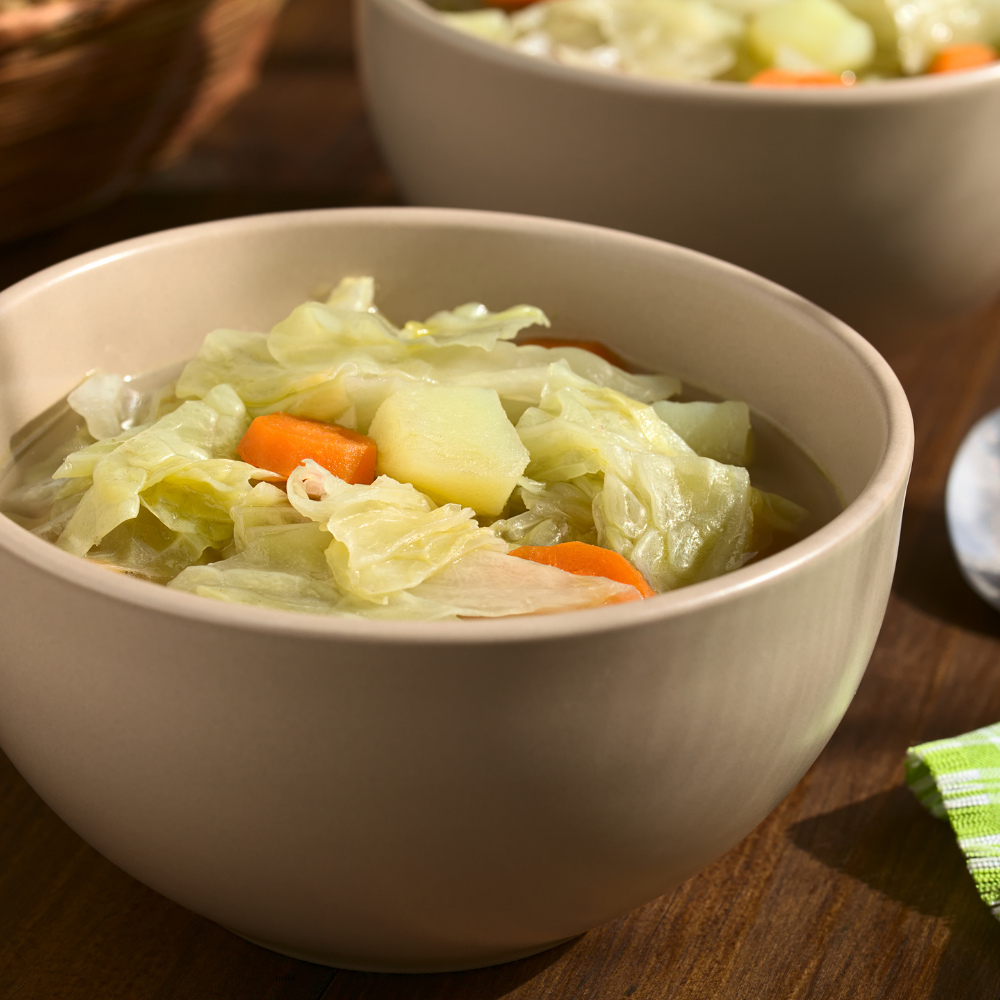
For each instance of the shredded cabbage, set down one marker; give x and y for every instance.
(676, 516)
(611, 459)
(332, 361)
(473, 325)
(552, 512)
(382, 551)
(700, 40)
(104, 401)
(714, 430)
(387, 537)
(181, 469)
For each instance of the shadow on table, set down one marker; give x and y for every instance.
(74, 925)
(148, 211)
(890, 843)
(477, 984)
(928, 577)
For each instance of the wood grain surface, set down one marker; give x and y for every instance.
(848, 890)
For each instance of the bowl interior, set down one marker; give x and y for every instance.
(148, 304)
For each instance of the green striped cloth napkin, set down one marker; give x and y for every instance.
(959, 780)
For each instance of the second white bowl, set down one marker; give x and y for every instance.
(439, 795)
(880, 202)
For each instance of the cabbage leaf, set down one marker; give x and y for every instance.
(387, 537)
(473, 325)
(106, 402)
(714, 430)
(552, 512)
(292, 561)
(340, 360)
(182, 468)
(676, 516)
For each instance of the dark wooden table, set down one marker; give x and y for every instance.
(848, 890)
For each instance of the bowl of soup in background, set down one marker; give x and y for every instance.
(441, 795)
(881, 201)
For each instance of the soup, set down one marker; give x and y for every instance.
(221, 477)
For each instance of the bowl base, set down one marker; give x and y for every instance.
(338, 961)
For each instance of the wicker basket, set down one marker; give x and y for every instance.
(94, 92)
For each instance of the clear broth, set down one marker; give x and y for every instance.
(779, 465)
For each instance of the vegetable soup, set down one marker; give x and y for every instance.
(343, 465)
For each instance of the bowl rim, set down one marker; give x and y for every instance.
(884, 486)
(899, 90)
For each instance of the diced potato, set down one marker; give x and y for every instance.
(453, 443)
(714, 430)
(818, 34)
(491, 24)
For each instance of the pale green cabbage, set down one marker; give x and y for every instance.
(170, 500)
(182, 470)
(381, 551)
(552, 512)
(287, 570)
(338, 361)
(674, 39)
(580, 428)
(714, 430)
(808, 35)
(104, 402)
(700, 40)
(678, 517)
(387, 537)
(473, 325)
(280, 566)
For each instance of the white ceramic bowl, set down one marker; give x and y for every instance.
(880, 202)
(408, 796)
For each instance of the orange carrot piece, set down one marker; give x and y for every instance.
(788, 78)
(594, 346)
(587, 560)
(280, 443)
(954, 58)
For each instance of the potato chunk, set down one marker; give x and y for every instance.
(453, 443)
(811, 34)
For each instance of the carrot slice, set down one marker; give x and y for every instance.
(953, 58)
(788, 78)
(594, 346)
(280, 443)
(587, 560)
